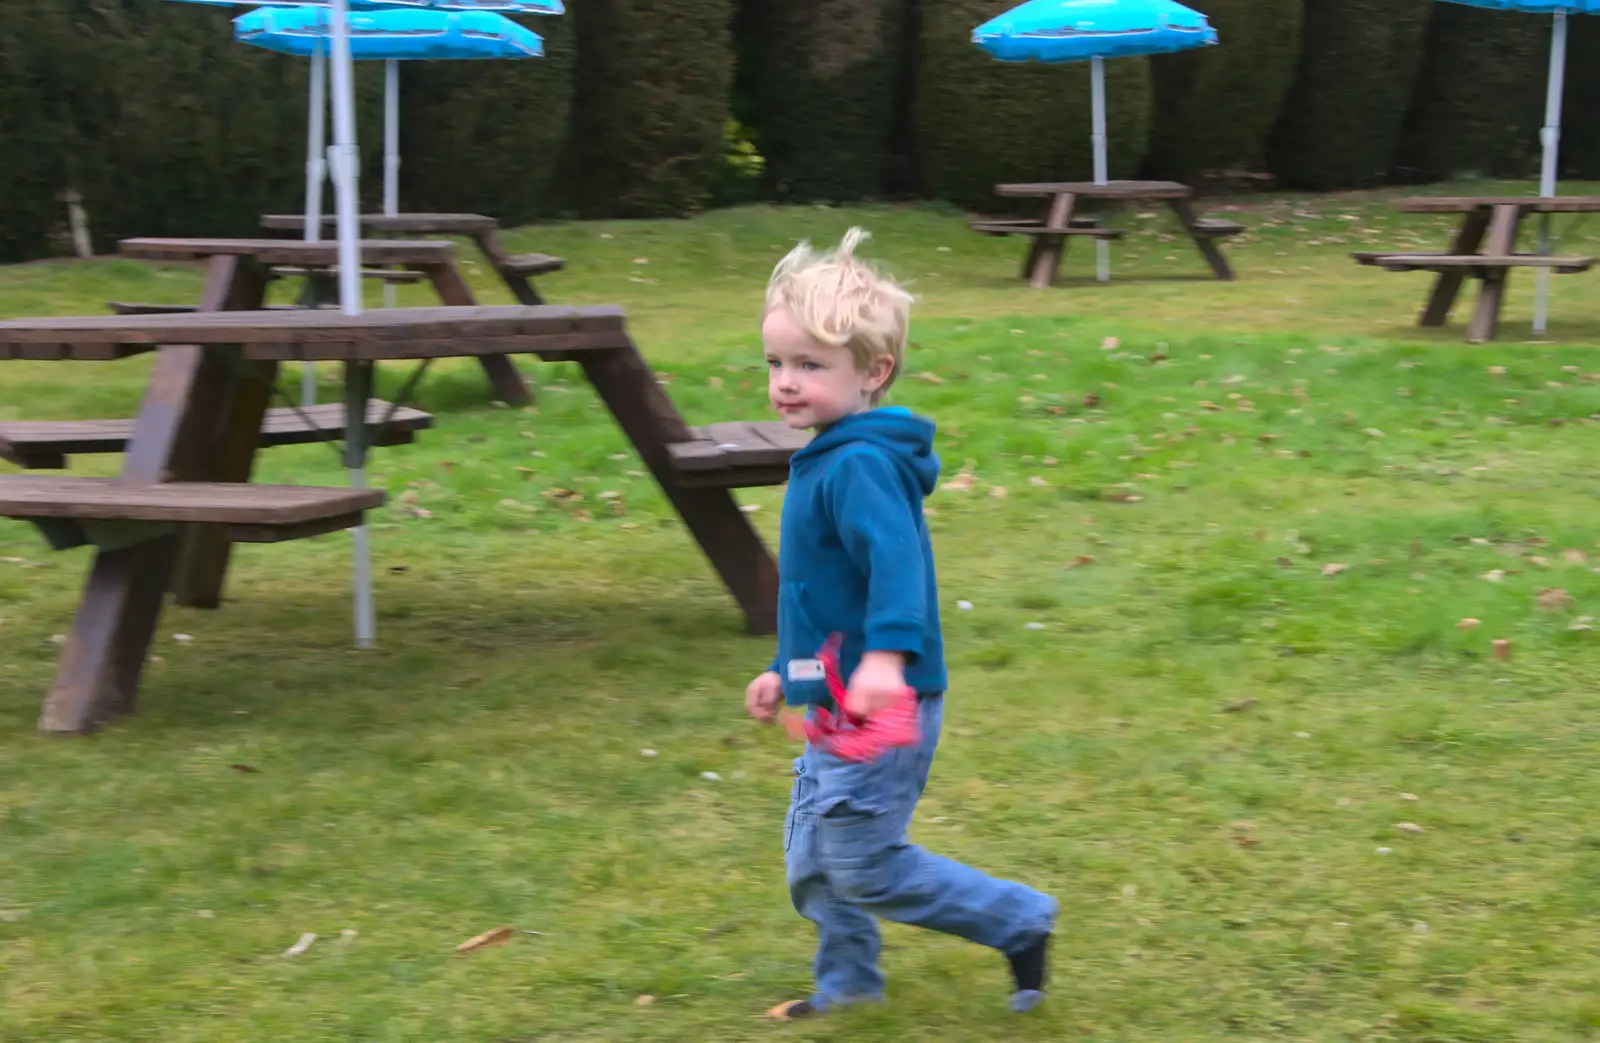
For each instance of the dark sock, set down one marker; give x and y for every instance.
(1028, 966)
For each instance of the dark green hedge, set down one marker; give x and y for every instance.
(821, 77)
(1580, 130)
(1478, 101)
(652, 99)
(1341, 121)
(980, 122)
(487, 137)
(1215, 106)
(153, 113)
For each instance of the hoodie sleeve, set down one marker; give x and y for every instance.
(877, 523)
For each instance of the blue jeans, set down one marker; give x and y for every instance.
(848, 860)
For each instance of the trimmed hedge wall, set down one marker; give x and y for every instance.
(1479, 98)
(652, 100)
(488, 136)
(153, 113)
(821, 76)
(981, 122)
(1341, 121)
(1215, 106)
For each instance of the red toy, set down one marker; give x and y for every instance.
(854, 738)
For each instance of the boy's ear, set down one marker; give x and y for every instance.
(879, 372)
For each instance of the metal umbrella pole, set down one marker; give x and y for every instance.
(1550, 137)
(316, 174)
(391, 153)
(1097, 82)
(344, 159)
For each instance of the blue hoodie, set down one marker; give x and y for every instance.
(854, 556)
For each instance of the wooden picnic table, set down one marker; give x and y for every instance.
(515, 270)
(433, 260)
(184, 493)
(1483, 248)
(1058, 223)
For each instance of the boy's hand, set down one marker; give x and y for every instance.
(762, 697)
(877, 683)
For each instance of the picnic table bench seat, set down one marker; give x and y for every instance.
(398, 276)
(144, 308)
(45, 444)
(1411, 262)
(531, 264)
(1088, 226)
(1215, 227)
(252, 513)
(736, 455)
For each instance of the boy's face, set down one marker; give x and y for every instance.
(812, 384)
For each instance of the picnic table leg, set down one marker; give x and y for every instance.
(1486, 316)
(1503, 222)
(1447, 286)
(1207, 246)
(647, 416)
(1046, 253)
(503, 376)
(521, 286)
(185, 402)
(203, 564)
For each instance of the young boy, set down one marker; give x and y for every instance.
(855, 560)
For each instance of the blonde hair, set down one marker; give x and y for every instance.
(844, 302)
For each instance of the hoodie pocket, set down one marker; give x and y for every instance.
(801, 639)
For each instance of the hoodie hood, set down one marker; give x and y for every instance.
(905, 437)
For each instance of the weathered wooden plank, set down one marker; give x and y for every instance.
(222, 503)
(413, 224)
(320, 254)
(1091, 190)
(1430, 261)
(26, 442)
(1466, 204)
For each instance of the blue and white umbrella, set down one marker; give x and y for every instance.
(1550, 133)
(343, 156)
(390, 36)
(344, 163)
(1093, 30)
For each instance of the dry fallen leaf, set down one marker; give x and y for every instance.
(1110, 344)
(644, 1001)
(1091, 400)
(929, 378)
(1239, 705)
(1575, 556)
(1469, 623)
(1082, 560)
(997, 491)
(1408, 827)
(961, 482)
(1495, 575)
(1554, 600)
(1334, 568)
(498, 936)
(1502, 648)
(1038, 483)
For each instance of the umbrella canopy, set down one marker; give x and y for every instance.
(1092, 31)
(1080, 30)
(393, 35)
(1537, 6)
(500, 6)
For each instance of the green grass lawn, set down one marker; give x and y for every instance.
(1218, 546)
